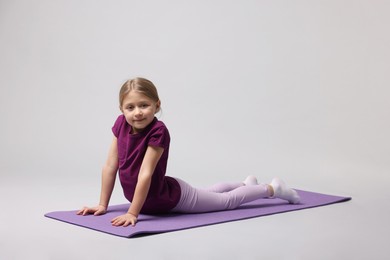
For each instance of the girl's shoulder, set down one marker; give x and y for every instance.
(158, 135)
(119, 125)
(158, 125)
(119, 120)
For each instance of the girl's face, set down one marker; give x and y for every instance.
(139, 110)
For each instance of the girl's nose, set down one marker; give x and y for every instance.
(138, 112)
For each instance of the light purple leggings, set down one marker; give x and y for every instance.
(221, 196)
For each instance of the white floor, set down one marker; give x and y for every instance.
(357, 229)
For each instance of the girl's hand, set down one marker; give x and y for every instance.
(124, 220)
(98, 210)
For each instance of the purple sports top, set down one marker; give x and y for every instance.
(164, 192)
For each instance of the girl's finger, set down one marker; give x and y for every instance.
(116, 222)
(98, 212)
(80, 211)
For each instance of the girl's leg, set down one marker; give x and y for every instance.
(197, 200)
(229, 186)
(224, 187)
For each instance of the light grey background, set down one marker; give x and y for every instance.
(295, 89)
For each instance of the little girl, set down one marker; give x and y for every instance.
(139, 150)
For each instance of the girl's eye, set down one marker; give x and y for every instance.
(130, 108)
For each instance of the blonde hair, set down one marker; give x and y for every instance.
(141, 85)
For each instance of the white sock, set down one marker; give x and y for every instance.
(281, 191)
(250, 181)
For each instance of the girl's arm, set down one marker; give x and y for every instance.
(152, 156)
(109, 171)
(109, 174)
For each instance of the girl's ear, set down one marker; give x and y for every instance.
(158, 106)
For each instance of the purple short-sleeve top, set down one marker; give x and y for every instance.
(164, 192)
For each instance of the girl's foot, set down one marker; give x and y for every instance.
(250, 181)
(281, 191)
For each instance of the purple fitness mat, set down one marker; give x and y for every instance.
(152, 224)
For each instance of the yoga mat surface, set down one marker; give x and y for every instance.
(151, 224)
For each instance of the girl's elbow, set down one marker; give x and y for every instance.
(112, 168)
(144, 177)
